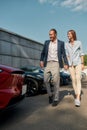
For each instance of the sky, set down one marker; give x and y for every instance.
(34, 18)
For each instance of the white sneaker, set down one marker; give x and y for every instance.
(77, 103)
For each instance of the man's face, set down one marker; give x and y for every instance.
(52, 35)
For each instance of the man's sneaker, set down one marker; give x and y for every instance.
(50, 99)
(77, 103)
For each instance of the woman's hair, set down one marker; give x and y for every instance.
(73, 34)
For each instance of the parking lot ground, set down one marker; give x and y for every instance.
(35, 113)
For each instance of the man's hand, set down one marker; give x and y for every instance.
(65, 67)
(41, 64)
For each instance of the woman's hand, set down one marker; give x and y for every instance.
(82, 66)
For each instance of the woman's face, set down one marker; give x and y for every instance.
(69, 35)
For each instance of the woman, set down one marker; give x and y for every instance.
(75, 58)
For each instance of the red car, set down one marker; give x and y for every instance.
(12, 87)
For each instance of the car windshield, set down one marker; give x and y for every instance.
(33, 69)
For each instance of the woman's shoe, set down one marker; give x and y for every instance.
(77, 103)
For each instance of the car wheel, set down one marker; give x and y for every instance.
(83, 76)
(32, 87)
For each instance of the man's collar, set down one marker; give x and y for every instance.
(54, 41)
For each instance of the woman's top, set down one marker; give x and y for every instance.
(74, 53)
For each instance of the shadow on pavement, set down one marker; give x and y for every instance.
(36, 113)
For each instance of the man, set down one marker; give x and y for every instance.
(53, 57)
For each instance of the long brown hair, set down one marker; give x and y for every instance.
(73, 34)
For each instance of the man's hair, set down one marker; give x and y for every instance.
(54, 30)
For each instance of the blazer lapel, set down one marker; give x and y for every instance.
(58, 47)
(47, 46)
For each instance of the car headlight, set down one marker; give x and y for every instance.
(40, 76)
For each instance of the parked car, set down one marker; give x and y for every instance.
(83, 75)
(12, 87)
(35, 79)
(65, 77)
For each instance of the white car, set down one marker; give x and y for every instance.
(84, 74)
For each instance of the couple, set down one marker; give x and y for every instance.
(55, 56)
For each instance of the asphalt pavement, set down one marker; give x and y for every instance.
(35, 113)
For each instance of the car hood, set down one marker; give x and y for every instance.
(11, 69)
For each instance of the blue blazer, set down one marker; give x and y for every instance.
(62, 59)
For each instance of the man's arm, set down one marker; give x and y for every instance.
(64, 57)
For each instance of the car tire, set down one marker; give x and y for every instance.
(32, 87)
(83, 76)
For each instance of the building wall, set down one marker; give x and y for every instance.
(17, 51)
